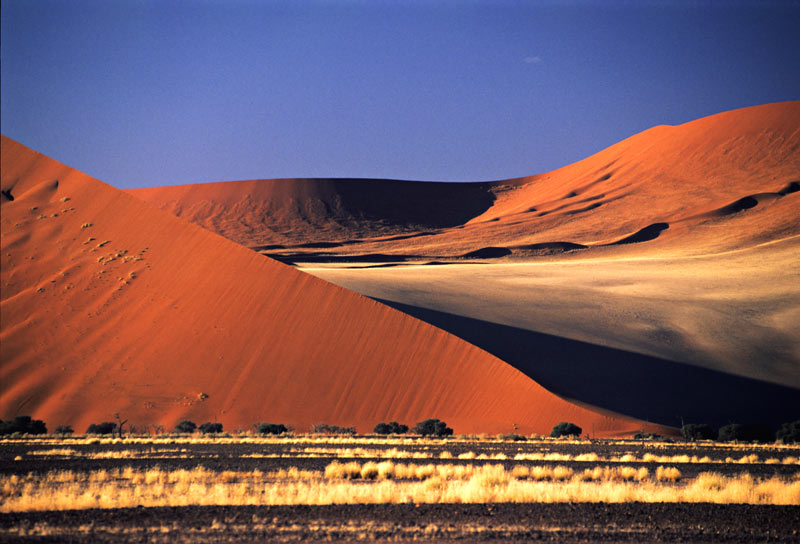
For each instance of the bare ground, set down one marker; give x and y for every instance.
(631, 522)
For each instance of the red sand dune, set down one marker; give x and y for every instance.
(679, 243)
(111, 306)
(689, 179)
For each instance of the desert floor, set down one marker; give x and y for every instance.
(107, 467)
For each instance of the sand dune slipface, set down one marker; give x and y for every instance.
(111, 306)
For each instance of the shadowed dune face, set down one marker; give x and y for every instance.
(646, 234)
(112, 306)
(488, 253)
(327, 211)
(679, 244)
(623, 381)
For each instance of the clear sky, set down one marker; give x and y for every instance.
(145, 93)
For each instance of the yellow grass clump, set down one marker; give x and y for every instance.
(668, 474)
(614, 474)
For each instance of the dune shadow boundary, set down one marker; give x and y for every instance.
(629, 383)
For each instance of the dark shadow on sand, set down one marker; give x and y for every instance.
(646, 234)
(293, 258)
(488, 253)
(649, 388)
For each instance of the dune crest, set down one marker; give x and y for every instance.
(112, 306)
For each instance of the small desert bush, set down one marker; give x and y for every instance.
(107, 427)
(433, 427)
(565, 429)
(789, 433)
(272, 428)
(186, 427)
(211, 428)
(392, 427)
(697, 431)
(745, 433)
(22, 425)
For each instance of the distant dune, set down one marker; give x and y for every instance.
(679, 187)
(112, 306)
(670, 261)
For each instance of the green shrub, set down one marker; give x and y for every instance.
(23, 425)
(789, 433)
(186, 427)
(745, 433)
(272, 428)
(697, 431)
(433, 427)
(64, 429)
(390, 428)
(107, 427)
(566, 429)
(210, 428)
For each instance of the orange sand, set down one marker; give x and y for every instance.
(111, 306)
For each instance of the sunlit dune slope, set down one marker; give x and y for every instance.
(112, 306)
(722, 182)
(718, 183)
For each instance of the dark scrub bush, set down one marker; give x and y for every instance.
(566, 429)
(433, 427)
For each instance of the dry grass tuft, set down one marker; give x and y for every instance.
(614, 474)
(668, 474)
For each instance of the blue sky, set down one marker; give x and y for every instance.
(145, 93)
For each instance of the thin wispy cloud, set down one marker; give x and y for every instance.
(532, 60)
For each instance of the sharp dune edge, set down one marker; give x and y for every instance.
(111, 306)
(680, 244)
